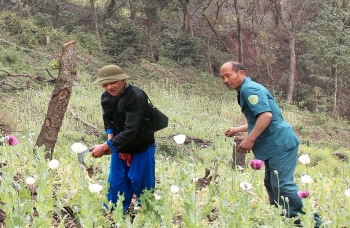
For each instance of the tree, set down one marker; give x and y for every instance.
(187, 18)
(284, 12)
(239, 31)
(94, 13)
(329, 46)
(59, 100)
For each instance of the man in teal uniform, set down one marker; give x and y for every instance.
(270, 137)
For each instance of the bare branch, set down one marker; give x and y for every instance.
(32, 77)
(27, 49)
(83, 121)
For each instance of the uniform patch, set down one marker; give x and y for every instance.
(253, 99)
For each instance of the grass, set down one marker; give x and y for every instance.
(199, 106)
(193, 112)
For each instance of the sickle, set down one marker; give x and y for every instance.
(81, 157)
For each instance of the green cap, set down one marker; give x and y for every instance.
(110, 73)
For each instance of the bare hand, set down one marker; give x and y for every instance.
(99, 150)
(230, 132)
(109, 151)
(245, 146)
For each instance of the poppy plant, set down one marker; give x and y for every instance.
(11, 140)
(256, 164)
(245, 186)
(304, 159)
(306, 179)
(347, 193)
(303, 194)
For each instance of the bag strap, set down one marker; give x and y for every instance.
(149, 100)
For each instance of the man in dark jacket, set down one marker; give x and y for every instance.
(130, 136)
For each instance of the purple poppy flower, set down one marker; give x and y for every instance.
(303, 194)
(12, 140)
(256, 164)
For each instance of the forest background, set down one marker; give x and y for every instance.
(174, 49)
(298, 49)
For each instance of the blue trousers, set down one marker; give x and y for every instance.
(285, 164)
(133, 179)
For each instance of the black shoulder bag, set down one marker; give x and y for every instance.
(158, 119)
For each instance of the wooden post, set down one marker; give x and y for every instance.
(59, 100)
(48, 42)
(239, 158)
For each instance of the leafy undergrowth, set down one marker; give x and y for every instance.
(209, 190)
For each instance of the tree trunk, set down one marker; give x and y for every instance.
(94, 13)
(187, 20)
(57, 15)
(335, 76)
(239, 32)
(221, 41)
(149, 27)
(287, 22)
(110, 10)
(292, 66)
(210, 66)
(132, 9)
(59, 100)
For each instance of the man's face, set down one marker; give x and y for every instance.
(114, 88)
(231, 78)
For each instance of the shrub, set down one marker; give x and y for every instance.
(123, 40)
(182, 48)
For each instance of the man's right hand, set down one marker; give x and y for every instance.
(100, 150)
(230, 132)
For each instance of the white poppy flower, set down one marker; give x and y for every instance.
(78, 147)
(53, 164)
(180, 139)
(174, 189)
(156, 196)
(306, 179)
(304, 159)
(347, 193)
(240, 168)
(245, 186)
(95, 188)
(30, 180)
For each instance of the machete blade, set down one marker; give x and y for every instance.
(81, 157)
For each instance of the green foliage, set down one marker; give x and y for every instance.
(327, 44)
(69, 21)
(182, 48)
(123, 40)
(197, 104)
(87, 41)
(43, 20)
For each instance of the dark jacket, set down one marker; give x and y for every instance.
(129, 119)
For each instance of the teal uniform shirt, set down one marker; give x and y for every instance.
(279, 136)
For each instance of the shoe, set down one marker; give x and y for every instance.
(318, 221)
(298, 223)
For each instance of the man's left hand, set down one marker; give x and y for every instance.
(245, 146)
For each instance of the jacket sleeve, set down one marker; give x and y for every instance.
(133, 118)
(107, 113)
